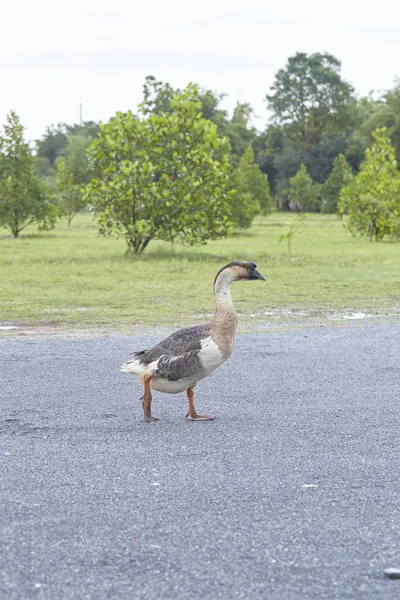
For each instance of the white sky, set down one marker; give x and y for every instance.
(53, 54)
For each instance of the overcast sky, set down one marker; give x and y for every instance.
(55, 54)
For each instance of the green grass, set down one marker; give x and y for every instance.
(75, 278)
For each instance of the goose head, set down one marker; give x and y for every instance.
(238, 270)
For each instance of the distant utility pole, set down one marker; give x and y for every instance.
(81, 112)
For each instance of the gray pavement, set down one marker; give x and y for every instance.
(293, 492)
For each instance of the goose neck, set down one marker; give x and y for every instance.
(222, 292)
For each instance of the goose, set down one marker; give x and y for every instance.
(178, 362)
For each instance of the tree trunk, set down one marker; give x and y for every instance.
(133, 245)
(144, 244)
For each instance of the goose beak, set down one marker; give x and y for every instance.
(254, 274)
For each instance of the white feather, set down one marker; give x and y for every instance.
(210, 355)
(172, 387)
(135, 367)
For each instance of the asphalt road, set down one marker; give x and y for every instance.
(293, 492)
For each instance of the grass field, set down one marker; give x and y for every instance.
(77, 279)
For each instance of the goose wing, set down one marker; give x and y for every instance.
(178, 355)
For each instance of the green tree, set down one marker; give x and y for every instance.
(23, 198)
(245, 199)
(69, 195)
(314, 114)
(163, 176)
(88, 129)
(68, 142)
(157, 96)
(52, 144)
(372, 199)
(319, 159)
(330, 191)
(267, 145)
(385, 112)
(287, 163)
(210, 109)
(239, 131)
(46, 172)
(74, 154)
(251, 180)
(359, 138)
(309, 97)
(302, 193)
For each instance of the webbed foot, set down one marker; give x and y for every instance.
(150, 418)
(196, 417)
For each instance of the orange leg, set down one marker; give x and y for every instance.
(146, 400)
(192, 414)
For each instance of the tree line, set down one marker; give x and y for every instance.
(181, 168)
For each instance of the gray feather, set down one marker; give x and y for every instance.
(178, 354)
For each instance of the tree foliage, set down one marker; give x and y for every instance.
(74, 155)
(67, 142)
(157, 97)
(385, 112)
(309, 96)
(23, 199)
(162, 176)
(244, 205)
(315, 119)
(330, 192)
(251, 194)
(69, 194)
(303, 194)
(52, 144)
(314, 115)
(372, 199)
(239, 129)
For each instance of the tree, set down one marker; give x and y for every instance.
(257, 183)
(266, 146)
(244, 204)
(251, 193)
(302, 193)
(330, 192)
(69, 195)
(309, 97)
(68, 142)
(75, 157)
(319, 159)
(210, 110)
(162, 176)
(239, 131)
(52, 144)
(157, 96)
(23, 198)
(314, 114)
(385, 113)
(372, 199)
(287, 163)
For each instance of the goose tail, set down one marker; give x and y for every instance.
(134, 366)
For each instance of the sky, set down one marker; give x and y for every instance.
(56, 55)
